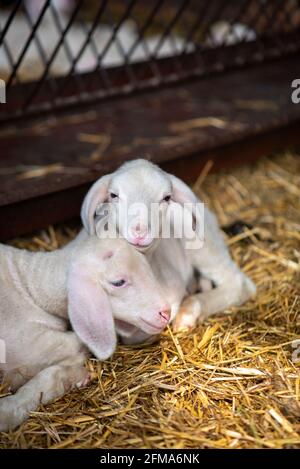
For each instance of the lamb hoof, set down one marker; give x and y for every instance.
(188, 314)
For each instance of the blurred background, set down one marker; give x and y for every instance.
(42, 39)
(135, 29)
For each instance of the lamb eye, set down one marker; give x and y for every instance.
(118, 283)
(167, 198)
(113, 195)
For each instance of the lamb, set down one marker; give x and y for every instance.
(103, 287)
(173, 261)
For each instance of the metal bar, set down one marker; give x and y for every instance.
(103, 75)
(200, 70)
(52, 83)
(126, 65)
(9, 56)
(215, 17)
(272, 17)
(115, 30)
(236, 17)
(67, 49)
(190, 37)
(191, 34)
(54, 53)
(259, 39)
(170, 26)
(10, 19)
(147, 23)
(98, 16)
(139, 39)
(27, 44)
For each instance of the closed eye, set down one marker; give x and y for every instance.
(119, 283)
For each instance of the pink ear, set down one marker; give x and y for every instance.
(95, 196)
(182, 194)
(90, 312)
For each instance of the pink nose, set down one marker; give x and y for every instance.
(139, 232)
(165, 314)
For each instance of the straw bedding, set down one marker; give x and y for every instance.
(234, 381)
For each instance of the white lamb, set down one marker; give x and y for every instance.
(172, 260)
(103, 287)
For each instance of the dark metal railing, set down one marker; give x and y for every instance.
(130, 45)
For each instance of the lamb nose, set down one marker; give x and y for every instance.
(165, 314)
(139, 232)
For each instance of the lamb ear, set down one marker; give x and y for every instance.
(182, 194)
(95, 196)
(90, 312)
